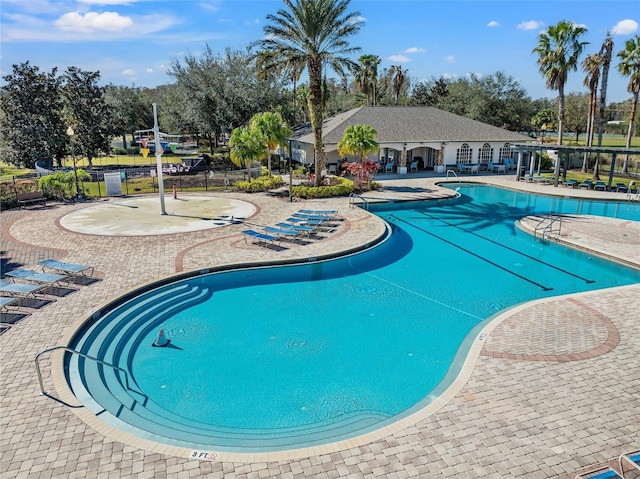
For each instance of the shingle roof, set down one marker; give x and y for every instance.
(409, 124)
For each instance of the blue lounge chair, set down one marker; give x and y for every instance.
(40, 278)
(66, 268)
(604, 472)
(305, 216)
(304, 229)
(600, 186)
(6, 301)
(306, 222)
(621, 188)
(260, 238)
(629, 462)
(330, 213)
(282, 233)
(586, 184)
(19, 289)
(571, 183)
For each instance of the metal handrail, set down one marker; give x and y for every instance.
(454, 174)
(73, 351)
(352, 200)
(548, 227)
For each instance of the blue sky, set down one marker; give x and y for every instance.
(133, 42)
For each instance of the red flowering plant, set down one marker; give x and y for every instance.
(358, 140)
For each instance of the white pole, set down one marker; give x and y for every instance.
(156, 136)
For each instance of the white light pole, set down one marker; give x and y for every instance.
(70, 134)
(156, 135)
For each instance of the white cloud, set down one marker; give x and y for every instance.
(210, 6)
(92, 22)
(449, 76)
(414, 50)
(530, 25)
(625, 27)
(149, 70)
(493, 23)
(128, 72)
(255, 21)
(399, 58)
(450, 59)
(106, 2)
(359, 19)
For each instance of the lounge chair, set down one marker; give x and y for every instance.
(66, 268)
(603, 472)
(6, 301)
(330, 213)
(283, 233)
(571, 183)
(629, 462)
(475, 169)
(40, 278)
(19, 289)
(304, 229)
(260, 238)
(621, 188)
(600, 186)
(414, 166)
(586, 184)
(305, 216)
(389, 168)
(307, 222)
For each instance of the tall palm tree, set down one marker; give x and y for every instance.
(366, 76)
(247, 145)
(559, 49)
(399, 79)
(591, 65)
(313, 32)
(629, 66)
(606, 52)
(274, 131)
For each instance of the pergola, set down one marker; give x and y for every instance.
(563, 156)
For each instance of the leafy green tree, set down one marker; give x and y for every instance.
(313, 32)
(559, 49)
(129, 111)
(576, 113)
(591, 66)
(32, 123)
(87, 112)
(274, 131)
(247, 145)
(366, 77)
(420, 95)
(629, 66)
(359, 140)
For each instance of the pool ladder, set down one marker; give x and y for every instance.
(363, 201)
(550, 224)
(82, 355)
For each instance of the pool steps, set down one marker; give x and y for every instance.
(132, 411)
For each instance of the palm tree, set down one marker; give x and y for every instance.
(558, 50)
(247, 145)
(274, 131)
(629, 66)
(606, 52)
(399, 79)
(591, 65)
(366, 76)
(313, 32)
(359, 140)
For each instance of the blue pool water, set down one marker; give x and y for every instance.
(278, 358)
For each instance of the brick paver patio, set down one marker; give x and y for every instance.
(553, 388)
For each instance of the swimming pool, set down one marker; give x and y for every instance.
(267, 359)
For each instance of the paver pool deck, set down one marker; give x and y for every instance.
(552, 389)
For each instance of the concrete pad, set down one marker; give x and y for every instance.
(143, 217)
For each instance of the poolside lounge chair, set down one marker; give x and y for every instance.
(621, 188)
(603, 472)
(283, 233)
(305, 216)
(475, 169)
(303, 229)
(260, 238)
(19, 289)
(6, 301)
(40, 278)
(330, 213)
(66, 268)
(600, 186)
(571, 183)
(307, 222)
(588, 184)
(629, 462)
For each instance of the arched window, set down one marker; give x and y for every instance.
(485, 155)
(463, 154)
(506, 152)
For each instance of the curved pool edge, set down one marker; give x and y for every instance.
(468, 355)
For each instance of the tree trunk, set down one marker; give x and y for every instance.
(316, 112)
(124, 140)
(560, 113)
(632, 117)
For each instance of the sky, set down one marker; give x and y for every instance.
(135, 42)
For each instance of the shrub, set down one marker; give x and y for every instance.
(262, 183)
(343, 187)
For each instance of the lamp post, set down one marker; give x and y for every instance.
(70, 134)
